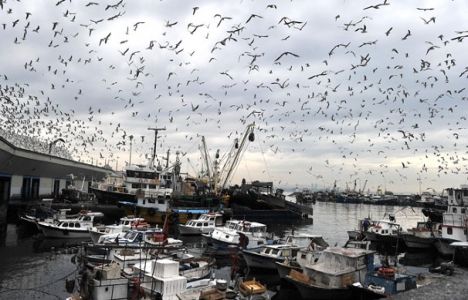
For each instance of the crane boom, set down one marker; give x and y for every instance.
(233, 158)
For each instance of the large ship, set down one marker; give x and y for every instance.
(124, 187)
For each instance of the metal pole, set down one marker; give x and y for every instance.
(156, 130)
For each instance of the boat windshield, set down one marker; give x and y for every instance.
(130, 235)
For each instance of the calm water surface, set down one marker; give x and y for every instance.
(36, 268)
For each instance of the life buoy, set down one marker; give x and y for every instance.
(386, 272)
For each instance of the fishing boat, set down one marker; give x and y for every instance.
(265, 257)
(336, 269)
(133, 237)
(206, 223)
(162, 277)
(455, 221)
(135, 178)
(71, 228)
(422, 236)
(238, 233)
(124, 225)
(384, 231)
(308, 255)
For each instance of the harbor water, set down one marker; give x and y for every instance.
(36, 268)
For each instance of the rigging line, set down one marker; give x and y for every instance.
(264, 160)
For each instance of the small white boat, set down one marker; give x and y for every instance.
(133, 237)
(124, 225)
(70, 228)
(239, 233)
(423, 235)
(206, 223)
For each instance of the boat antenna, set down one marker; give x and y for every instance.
(156, 130)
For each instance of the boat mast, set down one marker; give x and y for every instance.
(207, 162)
(156, 130)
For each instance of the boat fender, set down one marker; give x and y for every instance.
(138, 291)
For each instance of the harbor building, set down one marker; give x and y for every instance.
(28, 175)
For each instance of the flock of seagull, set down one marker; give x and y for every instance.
(353, 93)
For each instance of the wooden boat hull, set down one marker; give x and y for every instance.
(258, 261)
(284, 269)
(416, 242)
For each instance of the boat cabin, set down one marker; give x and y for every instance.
(207, 220)
(305, 240)
(247, 227)
(385, 228)
(340, 267)
(279, 251)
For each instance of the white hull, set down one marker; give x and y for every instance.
(95, 235)
(53, 232)
(190, 230)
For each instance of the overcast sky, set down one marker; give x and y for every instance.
(343, 91)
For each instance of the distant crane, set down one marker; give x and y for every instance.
(363, 187)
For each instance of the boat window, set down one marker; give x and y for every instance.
(72, 225)
(465, 192)
(199, 224)
(160, 201)
(286, 252)
(449, 230)
(77, 225)
(151, 200)
(454, 209)
(65, 225)
(136, 185)
(152, 186)
(260, 243)
(205, 224)
(325, 280)
(274, 251)
(267, 251)
(303, 255)
(463, 210)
